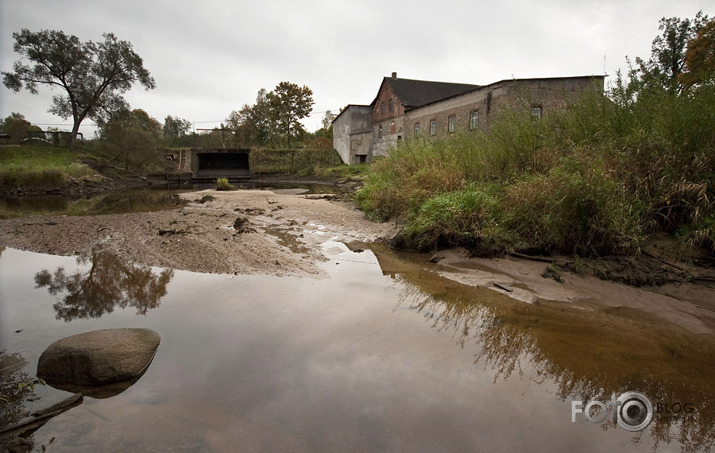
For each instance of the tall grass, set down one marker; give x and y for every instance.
(595, 179)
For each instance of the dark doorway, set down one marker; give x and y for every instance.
(230, 164)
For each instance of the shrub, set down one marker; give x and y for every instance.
(468, 217)
(576, 208)
(223, 184)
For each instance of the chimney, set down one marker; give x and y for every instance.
(394, 75)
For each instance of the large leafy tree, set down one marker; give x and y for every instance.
(289, 103)
(92, 76)
(667, 60)
(700, 57)
(134, 139)
(275, 117)
(252, 123)
(175, 128)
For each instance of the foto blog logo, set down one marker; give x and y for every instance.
(632, 411)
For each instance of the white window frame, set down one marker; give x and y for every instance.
(474, 120)
(451, 123)
(433, 127)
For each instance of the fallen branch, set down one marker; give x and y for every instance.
(509, 290)
(43, 416)
(541, 259)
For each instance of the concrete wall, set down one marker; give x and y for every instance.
(392, 132)
(356, 121)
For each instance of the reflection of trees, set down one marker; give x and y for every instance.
(14, 392)
(110, 282)
(589, 355)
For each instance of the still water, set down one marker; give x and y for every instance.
(380, 355)
(155, 198)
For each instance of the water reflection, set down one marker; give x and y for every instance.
(124, 201)
(12, 395)
(109, 282)
(590, 354)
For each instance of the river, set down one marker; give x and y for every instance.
(378, 354)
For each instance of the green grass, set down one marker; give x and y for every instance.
(35, 166)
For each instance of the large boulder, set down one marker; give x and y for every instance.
(98, 358)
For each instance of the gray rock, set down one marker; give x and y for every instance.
(98, 358)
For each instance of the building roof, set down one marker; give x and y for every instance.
(416, 93)
(349, 107)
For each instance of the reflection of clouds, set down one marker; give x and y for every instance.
(588, 355)
(110, 282)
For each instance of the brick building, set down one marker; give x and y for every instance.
(405, 108)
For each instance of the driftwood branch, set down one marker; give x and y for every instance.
(39, 418)
(542, 259)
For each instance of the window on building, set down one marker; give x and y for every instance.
(390, 105)
(379, 131)
(536, 112)
(474, 120)
(417, 129)
(382, 108)
(450, 123)
(433, 127)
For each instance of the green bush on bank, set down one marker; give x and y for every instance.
(593, 180)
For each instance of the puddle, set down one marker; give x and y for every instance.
(379, 356)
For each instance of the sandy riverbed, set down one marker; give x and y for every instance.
(263, 232)
(278, 233)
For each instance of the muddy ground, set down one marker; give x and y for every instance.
(279, 233)
(236, 232)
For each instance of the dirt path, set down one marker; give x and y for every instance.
(237, 232)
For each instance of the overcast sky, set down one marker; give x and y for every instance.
(210, 57)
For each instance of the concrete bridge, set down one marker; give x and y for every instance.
(211, 164)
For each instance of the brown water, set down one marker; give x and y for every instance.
(379, 356)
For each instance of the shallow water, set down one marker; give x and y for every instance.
(378, 356)
(154, 198)
(120, 202)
